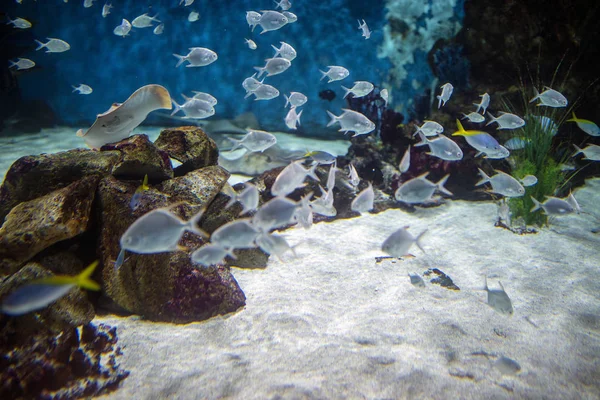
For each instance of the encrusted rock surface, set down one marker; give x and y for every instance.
(190, 146)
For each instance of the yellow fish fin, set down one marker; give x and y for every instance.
(574, 119)
(145, 183)
(461, 130)
(82, 280)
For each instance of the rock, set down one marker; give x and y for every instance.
(140, 157)
(190, 146)
(35, 225)
(440, 278)
(24, 178)
(164, 286)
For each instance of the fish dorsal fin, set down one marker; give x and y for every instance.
(80, 133)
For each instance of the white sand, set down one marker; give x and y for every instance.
(332, 323)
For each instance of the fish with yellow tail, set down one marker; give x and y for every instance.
(139, 192)
(586, 125)
(40, 293)
(482, 142)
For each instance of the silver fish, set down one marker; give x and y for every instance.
(271, 21)
(420, 190)
(353, 177)
(276, 213)
(118, 122)
(485, 143)
(283, 4)
(442, 147)
(19, 23)
(553, 206)
(529, 180)
(291, 17)
(193, 16)
(274, 66)
(248, 197)
(53, 45)
(498, 299)
(447, 90)
(272, 244)
(210, 254)
(321, 157)
(429, 128)
(550, 98)
(88, 3)
(516, 143)
(285, 50)
(194, 108)
(304, 213)
(416, 280)
(22, 63)
(473, 117)
(363, 202)
(399, 242)
(255, 140)
(291, 178)
(360, 89)
(352, 121)
(251, 44)
(253, 19)
(158, 231)
(144, 21)
(206, 97)
(591, 152)
(197, 57)
(506, 121)
(264, 92)
(292, 119)
(324, 205)
(186, 3)
(334, 73)
(585, 125)
(483, 104)
(405, 161)
(106, 9)
(546, 124)
(159, 29)
(82, 89)
(295, 99)
(503, 184)
(237, 234)
(366, 33)
(251, 84)
(385, 96)
(123, 29)
(331, 176)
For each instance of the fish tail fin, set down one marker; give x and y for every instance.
(298, 117)
(424, 141)
(484, 178)
(192, 224)
(418, 240)
(578, 150)
(574, 119)
(461, 129)
(323, 75)
(83, 279)
(276, 50)
(536, 204)
(180, 59)
(333, 120)
(177, 107)
(311, 172)
(493, 119)
(261, 70)
(439, 97)
(145, 183)
(287, 100)
(40, 45)
(441, 183)
(347, 91)
(478, 106)
(120, 259)
(74, 89)
(537, 95)
(236, 143)
(154, 18)
(12, 63)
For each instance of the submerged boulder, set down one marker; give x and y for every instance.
(190, 146)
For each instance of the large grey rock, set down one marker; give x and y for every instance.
(190, 146)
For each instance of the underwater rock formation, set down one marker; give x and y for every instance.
(192, 149)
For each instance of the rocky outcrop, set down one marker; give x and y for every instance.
(190, 146)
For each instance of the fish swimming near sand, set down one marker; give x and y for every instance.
(121, 119)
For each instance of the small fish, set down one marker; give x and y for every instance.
(40, 293)
(210, 254)
(272, 244)
(291, 17)
(194, 16)
(120, 119)
(274, 66)
(197, 57)
(248, 197)
(334, 73)
(19, 23)
(253, 19)
(507, 366)
(53, 45)
(186, 3)
(324, 205)
(553, 206)
(363, 202)
(123, 29)
(159, 29)
(483, 104)
(283, 4)
(194, 108)
(482, 142)
(88, 3)
(405, 162)
(353, 177)
(384, 95)
(420, 190)
(360, 89)
(321, 157)
(22, 63)
(573, 202)
(442, 147)
(550, 98)
(474, 117)
(291, 178)
(506, 121)
(292, 119)
(209, 98)
(352, 121)
(429, 128)
(498, 299)
(264, 92)
(254, 141)
(546, 124)
(585, 125)
(144, 21)
(251, 84)
(106, 9)
(285, 50)
(516, 143)
(276, 213)
(331, 176)
(503, 184)
(399, 242)
(366, 33)
(296, 99)
(251, 44)
(591, 152)
(447, 89)
(271, 21)
(529, 180)
(237, 234)
(139, 192)
(416, 280)
(304, 213)
(159, 231)
(82, 89)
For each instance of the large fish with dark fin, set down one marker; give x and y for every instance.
(117, 123)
